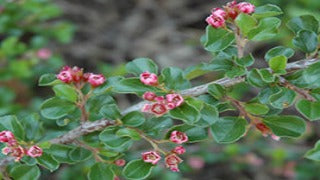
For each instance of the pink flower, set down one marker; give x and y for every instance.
(7, 137)
(17, 152)
(151, 157)
(176, 99)
(179, 150)
(96, 79)
(149, 96)
(171, 106)
(172, 161)
(44, 53)
(263, 129)
(146, 108)
(65, 76)
(150, 79)
(158, 109)
(159, 99)
(178, 137)
(77, 73)
(231, 10)
(34, 151)
(196, 162)
(120, 162)
(6, 150)
(215, 21)
(246, 7)
(219, 12)
(274, 137)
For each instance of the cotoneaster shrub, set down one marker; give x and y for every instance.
(93, 129)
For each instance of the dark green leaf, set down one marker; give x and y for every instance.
(133, 119)
(283, 98)
(100, 171)
(12, 124)
(55, 108)
(310, 110)
(140, 65)
(245, 61)
(25, 172)
(217, 39)
(217, 91)
(187, 113)
(305, 22)
(132, 85)
(65, 91)
(137, 169)
(245, 23)
(126, 132)
(267, 11)
(174, 79)
(256, 108)
(79, 154)
(266, 29)
(314, 154)
(306, 40)
(111, 140)
(47, 161)
(277, 51)
(110, 111)
(209, 115)
(49, 80)
(278, 64)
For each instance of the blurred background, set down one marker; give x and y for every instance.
(40, 36)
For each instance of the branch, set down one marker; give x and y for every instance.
(89, 127)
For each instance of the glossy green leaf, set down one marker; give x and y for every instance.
(309, 109)
(126, 132)
(283, 98)
(286, 126)
(245, 23)
(216, 90)
(79, 154)
(306, 40)
(187, 113)
(314, 153)
(245, 61)
(65, 91)
(140, 65)
(266, 29)
(34, 127)
(111, 140)
(217, 39)
(278, 51)
(137, 169)
(61, 153)
(133, 119)
(174, 79)
(110, 111)
(228, 129)
(132, 85)
(278, 64)
(55, 108)
(256, 108)
(47, 161)
(100, 171)
(255, 78)
(209, 115)
(49, 80)
(305, 22)
(25, 172)
(267, 11)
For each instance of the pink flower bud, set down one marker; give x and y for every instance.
(151, 157)
(219, 12)
(176, 99)
(171, 106)
(149, 96)
(65, 76)
(196, 162)
(17, 152)
(116, 178)
(172, 161)
(215, 21)
(263, 129)
(232, 10)
(158, 109)
(246, 7)
(120, 162)
(96, 79)
(7, 137)
(6, 150)
(34, 151)
(178, 137)
(146, 108)
(44, 53)
(159, 98)
(274, 137)
(77, 73)
(150, 79)
(179, 150)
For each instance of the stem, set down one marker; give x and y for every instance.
(304, 93)
(94, 151)
(240, 43)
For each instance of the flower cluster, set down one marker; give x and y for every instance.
(14, 149)
(76, 75)
(266, 131)
(172, 160)
(219, 16)
(149, 79)
(161, 104)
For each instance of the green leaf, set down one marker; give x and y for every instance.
(196, 71)
(286, 126)
(140, 65)
(217, 39)
(235, 71)
(49, 80)
(133, 119)
(278, 64)
(66, 92)
(267, 11)
(110, 111)
(12, 124)
(228, 129)
(174, 79)
(306, 40)
(95, 103)
(47, 161)
(55, 108)
(314, 154)
(137, 169)
(283, 98)
(126, 132)
(245, 61)
(245, 23)
(266, 75)
(187, 113)
(60, 153)
(266, 29)
(79, 154)
(132, 85)
(157, 124)
(209, 115)
(217, 91)
(277, 51)
(34, 127)
(309, 109)
(25, 172)
(100, 171)
(111, 140)
(220, 64)
(194, 133)
(255, 78)
(266, 93)
(256, 108)
(305, 22)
